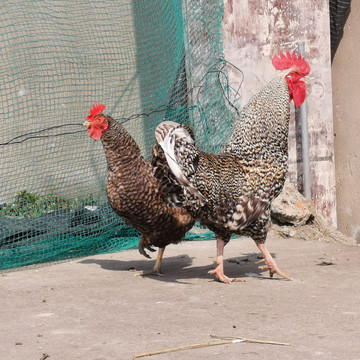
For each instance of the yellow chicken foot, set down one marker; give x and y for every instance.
(270, 263)
(157, 267)
(219, 270)
(143, 243)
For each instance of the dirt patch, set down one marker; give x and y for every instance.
(99, 308)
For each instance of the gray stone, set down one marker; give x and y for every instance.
(291, 208)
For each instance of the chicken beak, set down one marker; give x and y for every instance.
(87, 123)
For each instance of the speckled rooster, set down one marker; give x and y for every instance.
(133, 191)
(231, 192)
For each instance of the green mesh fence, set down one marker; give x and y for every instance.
(146, 60)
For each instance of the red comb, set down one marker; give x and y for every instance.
(294, 62)
(95, 110)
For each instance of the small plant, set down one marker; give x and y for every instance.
(33, 205)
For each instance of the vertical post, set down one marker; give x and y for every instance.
(302, 117)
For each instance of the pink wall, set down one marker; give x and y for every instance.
(254, 31)
(346, 90)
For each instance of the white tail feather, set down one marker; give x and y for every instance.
(166, 135)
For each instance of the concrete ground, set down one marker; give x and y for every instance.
(97, 308)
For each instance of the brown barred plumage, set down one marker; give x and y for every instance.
(135, 194)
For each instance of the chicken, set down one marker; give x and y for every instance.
(231, 192)
(133, 191)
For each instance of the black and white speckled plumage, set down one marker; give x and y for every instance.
(168, 183)
(134, 193)
(262, 129)
(239, 184)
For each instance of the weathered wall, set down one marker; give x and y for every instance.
(346, 89)
(254, 31)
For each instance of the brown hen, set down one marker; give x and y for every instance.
(133, 191)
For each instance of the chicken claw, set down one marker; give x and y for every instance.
(219, 270)
(220, 276)
(151, 273)
(143, 243)
(270, 263)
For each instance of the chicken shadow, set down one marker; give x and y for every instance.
(179, 268)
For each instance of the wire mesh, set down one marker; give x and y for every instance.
(146, 60)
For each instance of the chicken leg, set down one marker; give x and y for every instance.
(219, 270)
(144, 244)
(157, 267)
(270, 263)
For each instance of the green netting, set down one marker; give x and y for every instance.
(145, 59)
